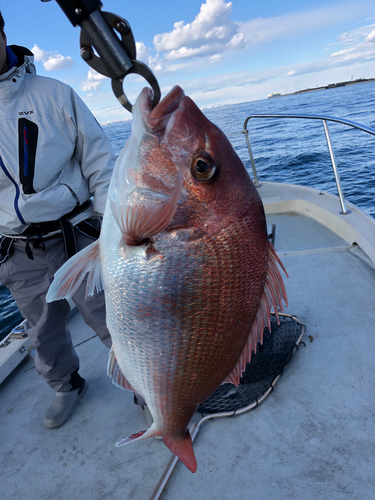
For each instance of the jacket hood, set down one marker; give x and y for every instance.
(25, 58)
(13, 78)
(24, 65)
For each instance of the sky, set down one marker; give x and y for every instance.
(219, 52)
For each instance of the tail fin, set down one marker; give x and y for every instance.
(183, 449)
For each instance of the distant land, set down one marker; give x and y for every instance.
(330, 86)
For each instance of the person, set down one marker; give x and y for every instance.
(54, 158)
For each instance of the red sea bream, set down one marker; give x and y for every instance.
(184, 258)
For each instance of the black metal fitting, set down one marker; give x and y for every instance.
(79, 10)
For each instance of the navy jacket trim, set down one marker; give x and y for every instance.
(16, 208)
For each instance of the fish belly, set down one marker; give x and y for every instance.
(180, 313)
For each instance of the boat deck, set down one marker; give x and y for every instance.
(312, 438)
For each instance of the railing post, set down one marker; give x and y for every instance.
(324, 119)
(335, 170)
(246, 132)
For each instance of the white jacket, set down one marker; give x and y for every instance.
(53, 153)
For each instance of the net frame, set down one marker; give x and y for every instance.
(261, 374)
(282, 344)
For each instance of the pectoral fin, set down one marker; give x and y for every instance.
(70, 276)
(140, 222)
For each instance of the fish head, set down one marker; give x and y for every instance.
(175, 139)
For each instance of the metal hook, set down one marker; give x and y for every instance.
(113, 57)
(117, 67)
(142, 70)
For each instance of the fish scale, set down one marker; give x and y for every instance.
(189, 275)
(189, 320)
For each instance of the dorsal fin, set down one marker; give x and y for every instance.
(273, 296)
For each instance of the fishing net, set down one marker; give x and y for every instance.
(261, 374)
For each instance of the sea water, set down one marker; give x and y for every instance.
(289, 151)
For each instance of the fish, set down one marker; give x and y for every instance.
(189, 275)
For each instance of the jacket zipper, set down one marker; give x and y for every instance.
(16, 208)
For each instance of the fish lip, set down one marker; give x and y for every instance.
(156, 119)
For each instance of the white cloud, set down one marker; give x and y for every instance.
(355, 59)
(344, 53)
(359, 54)
(189, 48)
(93, 81)
(288, 26)
(203, 50)
(143, 52)
(215, 58)
(211, 32)
(370, 37)
(52, 61)
(358, 51)
(213, 84)
(347, 38)
(162, 67)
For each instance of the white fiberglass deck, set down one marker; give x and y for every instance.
(312, 438)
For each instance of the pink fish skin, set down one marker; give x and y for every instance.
(194, 259)
(188, 272)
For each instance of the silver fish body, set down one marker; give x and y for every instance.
(188, 272)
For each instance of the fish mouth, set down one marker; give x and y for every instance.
(156, 119)
(142, 182)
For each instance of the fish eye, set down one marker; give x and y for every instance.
(203, 166)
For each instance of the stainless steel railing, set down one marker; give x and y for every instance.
(324, 119)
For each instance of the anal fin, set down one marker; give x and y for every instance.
(139, 436)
